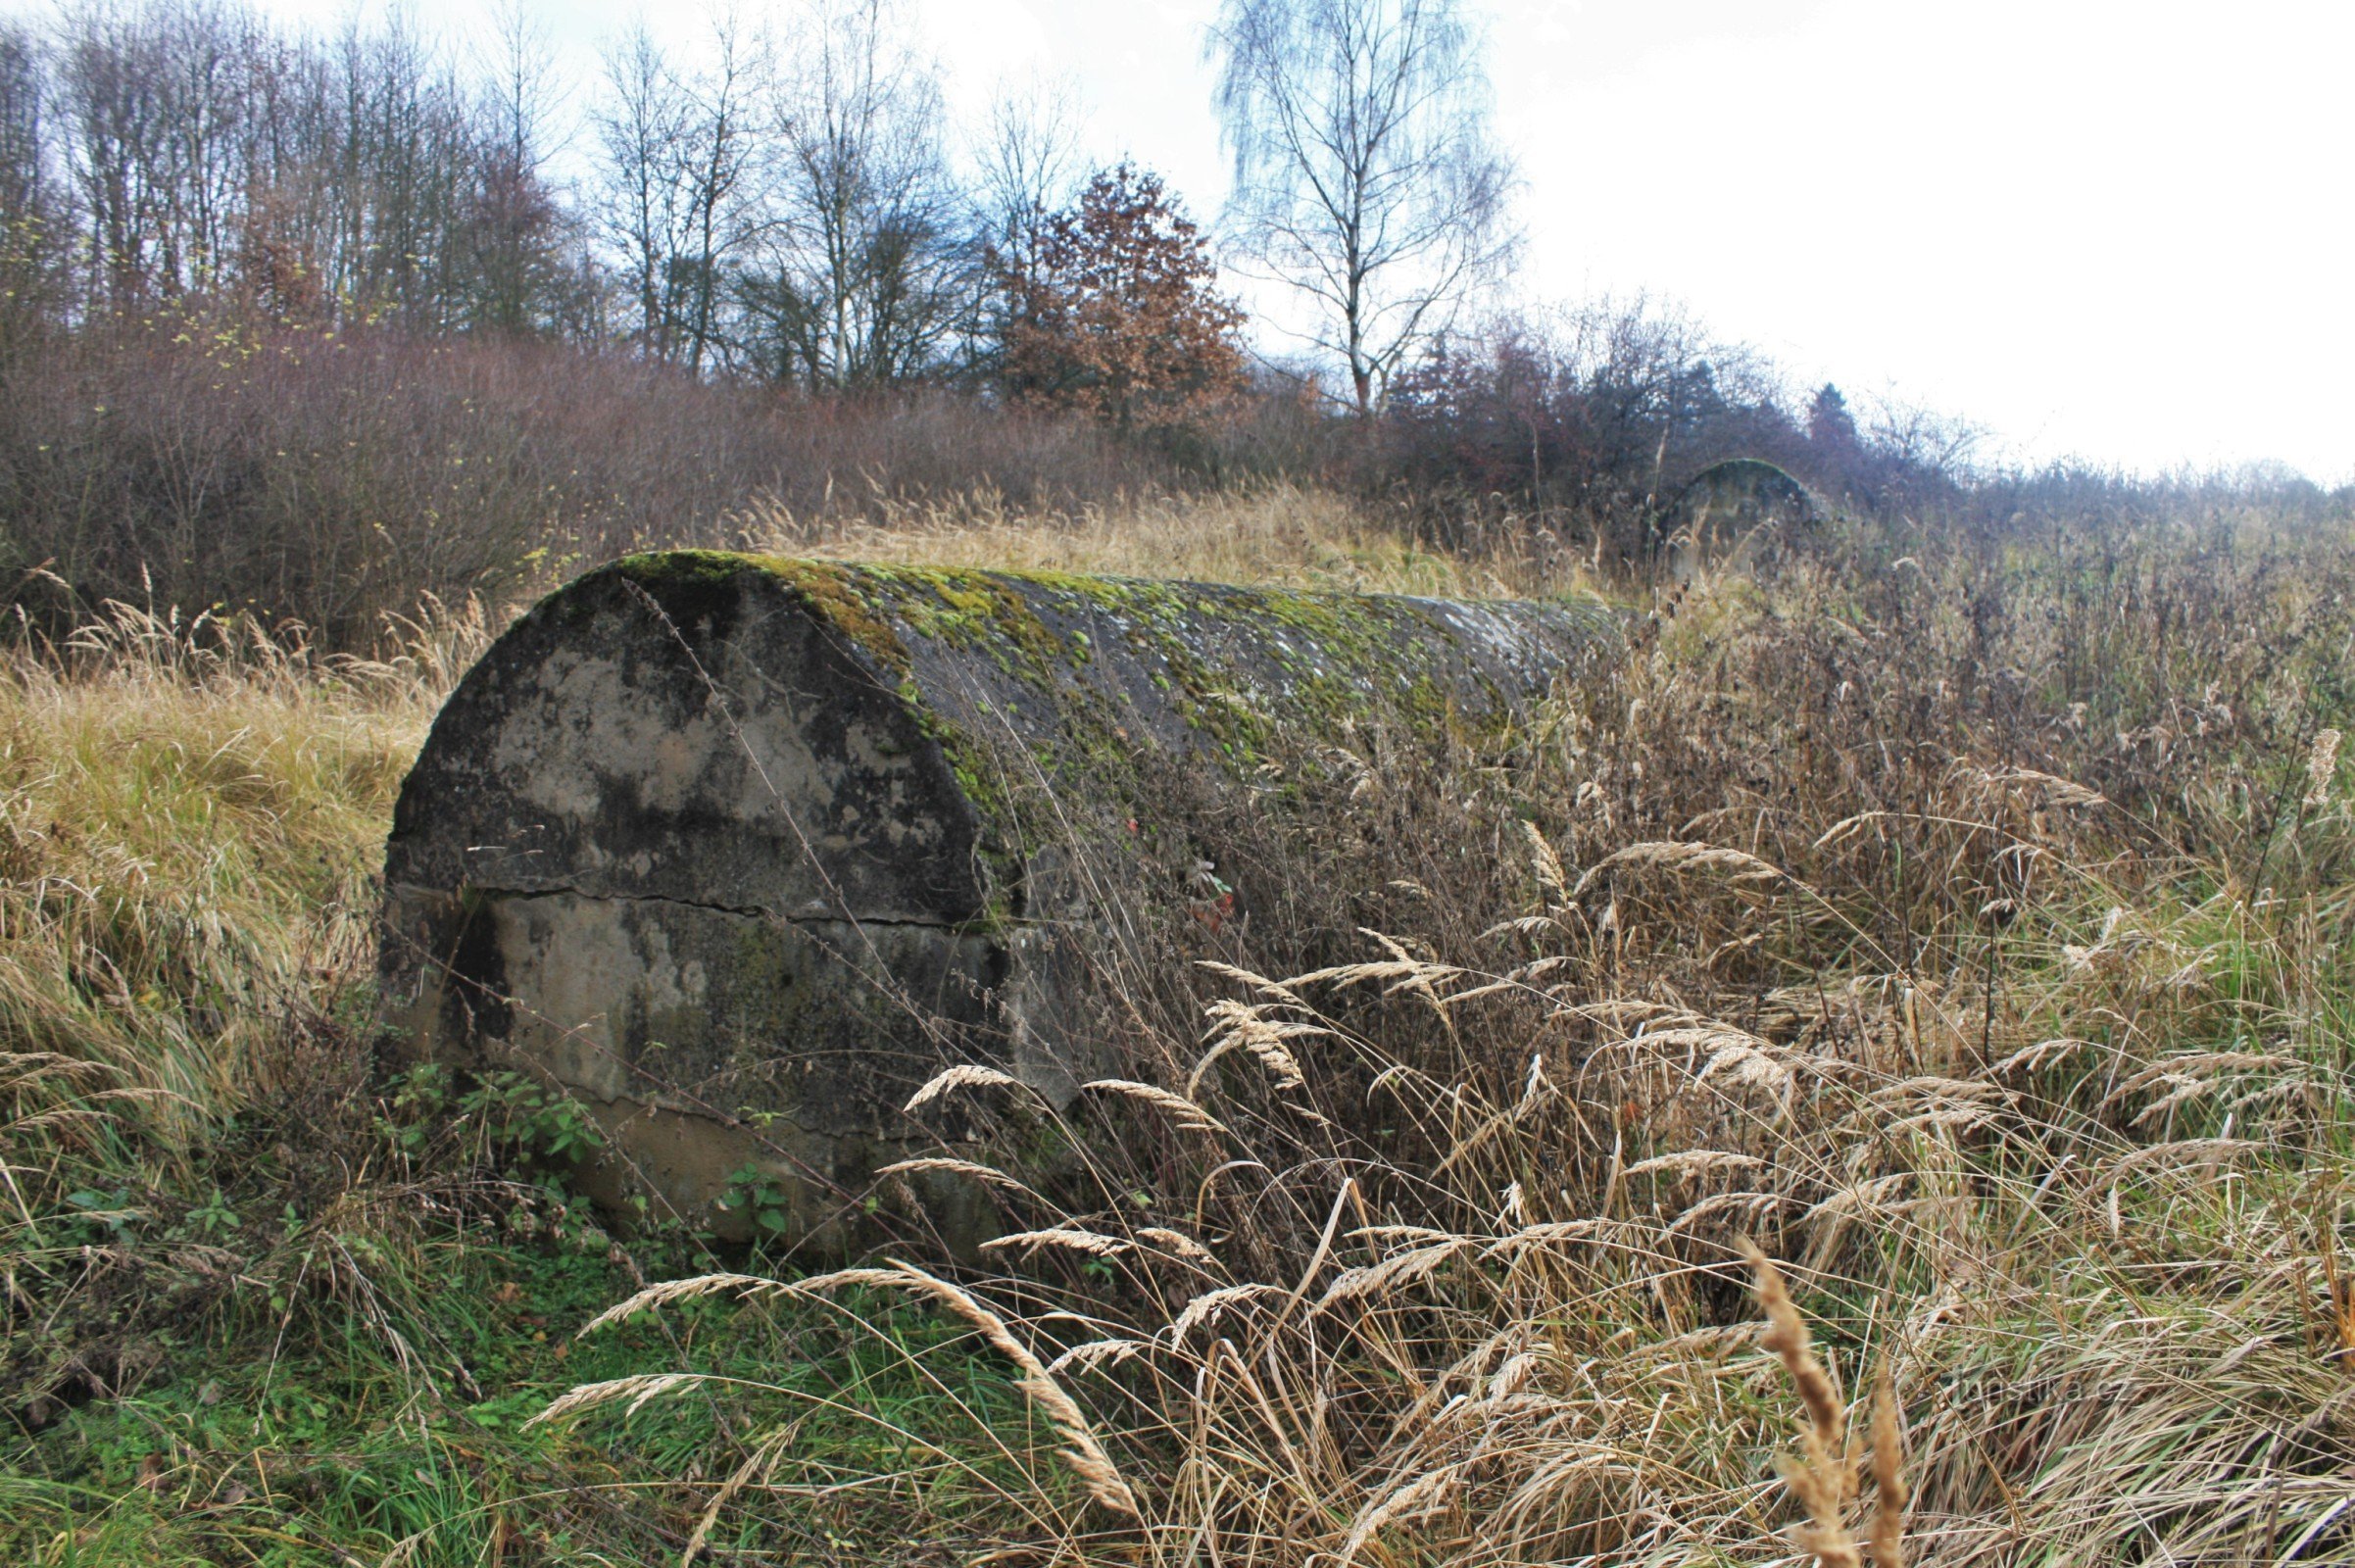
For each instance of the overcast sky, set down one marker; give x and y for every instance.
(2120, 231)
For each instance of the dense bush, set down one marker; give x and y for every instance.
(201, 461)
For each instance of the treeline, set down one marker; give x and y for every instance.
(795, 209)
(309, 325)
(312, 324)
(172, 153)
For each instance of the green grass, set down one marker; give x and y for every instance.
(319, 1447)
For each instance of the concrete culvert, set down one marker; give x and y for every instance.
(740, 851)
(1737, 516)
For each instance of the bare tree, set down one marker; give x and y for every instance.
(678, 201)
(516, 228)
(867, 264)
(1026, 166)
(157, 104)
(212, 156)
(1919, 442)
(641, 132)
(806, 224)
(1366, 176)
(23, 176)
(29, 231)
(409, 176)
(723, 211)
(525, 85)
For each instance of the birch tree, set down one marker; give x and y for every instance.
(1366, 178)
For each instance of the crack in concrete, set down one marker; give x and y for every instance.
(978, 925)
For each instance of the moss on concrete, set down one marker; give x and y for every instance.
(1084, 675)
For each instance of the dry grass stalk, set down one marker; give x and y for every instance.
(1693, 1162)
(636, 1391)
(1210, 1306)
(1670, 855)
(1276, 990)
(1400, 1268)
(2044, 1054)
(1177, 1243)
(1069, 1238)
(947, 1165)
(1400, 971)
(2054, 789)
(961, 1076)
(1821, 1477)
(1548, 1234)
(1085, 1454)
(1183, 1113)
(1888, 1476)
(1239, 1025)
(1402, 1503)
(670, 1292)
(2204, 1153)
(1741, 1067)
(1545, 864)
(1096, 1353)
(2322, 761)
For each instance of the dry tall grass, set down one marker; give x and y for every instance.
(1278, 534)
(192, 817)
(1965, 922)
(171, 794)
(1967, 928)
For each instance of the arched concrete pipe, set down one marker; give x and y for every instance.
(1734, 515)
(730, 847)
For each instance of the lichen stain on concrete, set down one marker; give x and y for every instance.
(740, 851)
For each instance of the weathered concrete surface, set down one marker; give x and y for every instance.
(1735, 514)
(742, 851)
